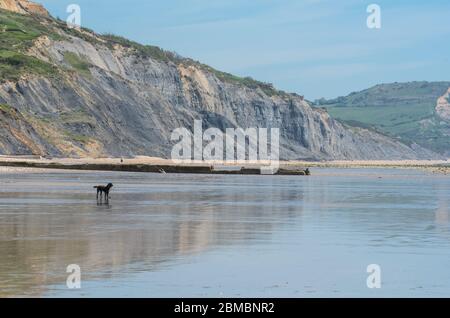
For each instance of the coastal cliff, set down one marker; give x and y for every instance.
(75, 93)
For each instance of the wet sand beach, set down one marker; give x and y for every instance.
(190, 235)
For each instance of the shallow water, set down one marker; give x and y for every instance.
(226, 236)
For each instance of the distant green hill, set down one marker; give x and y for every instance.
(406, 111)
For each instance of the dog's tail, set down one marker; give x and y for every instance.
(95, 187)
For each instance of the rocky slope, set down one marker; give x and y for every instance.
(75, 93)
(443, 106)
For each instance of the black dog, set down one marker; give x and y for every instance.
(103, 189)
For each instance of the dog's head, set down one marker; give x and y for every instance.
(110, 185)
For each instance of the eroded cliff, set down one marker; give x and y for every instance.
(83, 94)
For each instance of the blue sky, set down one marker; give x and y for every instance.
(317, 48)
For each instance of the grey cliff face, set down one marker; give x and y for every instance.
(126, 104)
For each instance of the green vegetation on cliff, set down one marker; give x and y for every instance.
(17, 33)
(78, 63)
(5, 108)
(144, 51)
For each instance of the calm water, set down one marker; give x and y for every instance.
(226, 236)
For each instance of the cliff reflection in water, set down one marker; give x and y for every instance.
(50, 221)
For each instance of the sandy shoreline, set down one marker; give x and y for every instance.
(437, 166)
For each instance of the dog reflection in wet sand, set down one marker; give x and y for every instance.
(104, 190)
